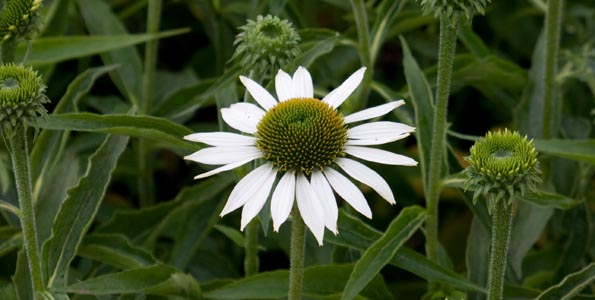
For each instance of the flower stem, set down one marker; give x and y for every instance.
(19, 153)
(553, 20)
(251, 260)
(448, 39)
(298, 246)
(8, 50)
(501, 224)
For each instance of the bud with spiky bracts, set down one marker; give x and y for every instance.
(448, 8)
(22, 95)
(268, 43)
(18, 18)
(501, 165)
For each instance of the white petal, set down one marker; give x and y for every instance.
(242, 116)
(340, 94)
(348, 191)
(377, 133)
(373, 112)
(284, 86)
(367, 176)
(222, 169)
(221, 139)
(224, 155)
(380, 156)
(327, 200)
(254, 205)
(310, 208)
(282, 200)
(262, 96)
(247, 187)
(302, 83)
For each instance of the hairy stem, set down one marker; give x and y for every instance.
(448, 39)
(298, 246)
(19, 153)
(553, 20)
(9, 48)
(251, 261)
(501, 224)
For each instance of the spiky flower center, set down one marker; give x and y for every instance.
(302, 134)
(18, 17)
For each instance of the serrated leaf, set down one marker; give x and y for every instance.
(384, 249)
(151, 128)
(571, 285)
(115, 250)
(78, 211)
(579, 150)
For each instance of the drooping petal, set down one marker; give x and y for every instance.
(377, 133)
(302, 84)
(224, 155)
(284, 86)
(327, 200)
(262, 96)
(348, 191)
(310, 208)
(247, 187)
(255, 204)
(282, 200)
(223, 168)
(242, 116)
(380, 156)
(373, 112)
(221, 139)
(340, 94)
(367, 176)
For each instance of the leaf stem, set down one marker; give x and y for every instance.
(553, 20)
(448, 39)
(298, 246)
(251, 261)
(19, 153)
(501, 224)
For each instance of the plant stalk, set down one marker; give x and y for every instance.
(553, 21)
(448, 40)
(501, 225)
(298, 247)
(9, 49)
(251, 261)
(19, 153)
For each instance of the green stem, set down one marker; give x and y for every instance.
(363, 34)
(251, 261)
(501, 224)
(145, 180)
(19, 153)
(298, 247)
(448, 40)
(8, 50)
(553, 20)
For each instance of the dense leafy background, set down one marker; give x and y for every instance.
(119, 213)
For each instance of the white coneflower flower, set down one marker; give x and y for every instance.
(304, 140)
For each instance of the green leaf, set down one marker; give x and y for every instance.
(184, 100)
(579, 150)
(11, 244)
(78, 211)
(151, 128)
(22, 278)
(357, 235)
(571, 285)
(422, 100)
(115, 250)
(472, 41)
(319, 281)
(51, 50)
(154, 280)
(383, 249)
(231, 233)
(318, 49)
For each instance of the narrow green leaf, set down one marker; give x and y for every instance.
(134, 223)
(184, 100)
(22, 278)
(579, 150)
(115, 250)
(383, 249)
(570, 285)
(477, 255)
(320, 48)
(320, 282)
(472, 41)
(11, 244)
(7, 291)
(231, 233)
(152, 128)
(78, 211)
(357, 235)
(51, 50)
(423, 104)
(154, 280)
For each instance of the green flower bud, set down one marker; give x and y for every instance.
(267, 43)
(501, 165)
(22, 95)
(18, 18)
(449, 8)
